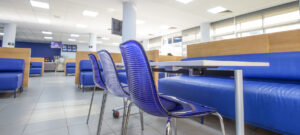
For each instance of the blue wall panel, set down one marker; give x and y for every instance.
(38, 49)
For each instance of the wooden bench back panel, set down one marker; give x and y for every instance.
(19, 53)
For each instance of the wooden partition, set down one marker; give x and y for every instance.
(38, 59)
(154, 56)
(19, 53)
(285, 41)
(83, 55)
(170, 58)
(245, 45)
(67, 61)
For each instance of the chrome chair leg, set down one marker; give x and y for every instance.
(91, 104)
(124, 132)
(168, 127)
(141, 119)
(124, 113)
(102, 112)
(221, 121)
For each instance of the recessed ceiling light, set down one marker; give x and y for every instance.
(47, 32)
(164, 27)
(115, 43)
(216, 10)
(75, 35)
(1, 33)
(45, 21)
(72, 39)
(81, 26)
(39, 4)
(105, 38)
(48, 38)
(184, 1)
(89, 13)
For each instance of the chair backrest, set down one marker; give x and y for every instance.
(140, 80)
(12, 65)
(71, 65)
(36, 64)
(112, 81)
(98, 80)
(85, 65)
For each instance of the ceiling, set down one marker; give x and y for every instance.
(64, 15)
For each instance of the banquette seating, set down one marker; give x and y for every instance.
(271, 94)
(86, 74)
(36, 68)
(11, 74)
(70, 68)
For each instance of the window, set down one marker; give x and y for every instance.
(223, 28)
(283, 28)
(177, 39)
(282, 18)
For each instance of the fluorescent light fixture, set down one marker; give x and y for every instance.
(39, 4)
(164, 27)
(89, 13)
(115, 43)
(81, 26)
(1, 33)
(216, 10)
(75, 35)
(47, 32)
(184, 1)
(140, 22)
(44, 21)
(105, 38)
(72, 39)
(48, 38)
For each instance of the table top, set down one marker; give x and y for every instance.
(204, 63)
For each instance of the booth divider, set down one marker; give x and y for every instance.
(19, 53)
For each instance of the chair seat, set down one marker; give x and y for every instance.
(35, 70)
(183, 108)
(10, 81)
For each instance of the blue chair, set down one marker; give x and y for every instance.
(98, 81)
(144, 94)
(113, 84)
(70, 68)
(36, 68)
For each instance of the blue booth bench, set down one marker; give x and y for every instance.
(70, 68)
(36, 68)
(11, 74)
(271, 94)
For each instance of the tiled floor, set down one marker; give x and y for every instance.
(53, 105)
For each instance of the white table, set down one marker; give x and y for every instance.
(204, 64)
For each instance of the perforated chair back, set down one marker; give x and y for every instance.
(140, 80)
(98, 80)
(112, 81)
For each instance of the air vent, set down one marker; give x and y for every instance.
(173, 28)
(226, 12)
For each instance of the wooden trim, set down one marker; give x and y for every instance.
(39, 59)
(287, 41)
(170, 58)
(19, 53)
(154, 56)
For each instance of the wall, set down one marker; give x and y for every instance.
(112, 49)
(39, 49)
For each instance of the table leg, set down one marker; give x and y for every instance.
(239, 102)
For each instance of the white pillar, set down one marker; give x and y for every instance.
(129, 21)
(205, 32)
(93, 42)
(9, 36)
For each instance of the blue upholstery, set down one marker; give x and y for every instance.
(143, 91)
(36, 68)
(70, 68)
(271, 94)
(11, 74)
(86, 73)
